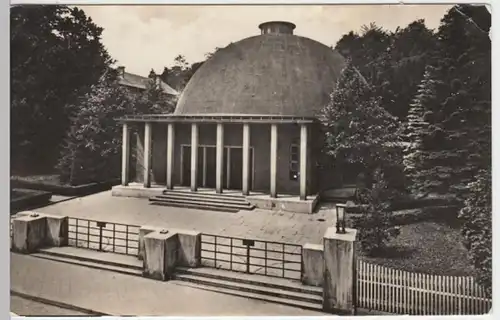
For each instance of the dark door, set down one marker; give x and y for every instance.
(200, 167)
(186, 166)
(236, 168)
(210, 167)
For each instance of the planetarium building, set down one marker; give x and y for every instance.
(246, 123)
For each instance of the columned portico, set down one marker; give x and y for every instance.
(125, 154)
(147, 155)
(194, 157)
(265, 158)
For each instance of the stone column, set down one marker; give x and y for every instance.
(219, 158)
(339, 271)
(274, 159)
(147, 155)
(246, 159)
(194, 157)
(125, 154)
(170, 154)
(303, 161)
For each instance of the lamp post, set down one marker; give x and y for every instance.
(340, 211)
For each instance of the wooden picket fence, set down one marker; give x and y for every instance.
(396, 291)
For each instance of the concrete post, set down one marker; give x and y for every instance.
(32, 231)
(170, 154)
(194, 157)
(147, 155)
(312, 264)
(160, 255)
(274, 159)
(246, 159)
(339, 271)
(219, 158)
(143, 231)
(303, 161)
(29, 233)
(125, 154)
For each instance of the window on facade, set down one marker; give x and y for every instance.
(294, 161)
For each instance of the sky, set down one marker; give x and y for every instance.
(142, 38)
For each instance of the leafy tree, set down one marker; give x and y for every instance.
(92, 149)
(375, 222)
(56, 54)
(357, 129)
(477, 227)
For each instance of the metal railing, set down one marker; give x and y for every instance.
(269, 258)
(103, 236)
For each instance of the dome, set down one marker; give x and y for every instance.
(275, 73)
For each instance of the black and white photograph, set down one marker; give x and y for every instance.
(250, 160)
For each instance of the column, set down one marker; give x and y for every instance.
(194, 157)
(303, 162)
(339, 271)
(219, 158)
(170, 154)
(147, 155)
(274, 159)
(246, 158)
(125, 154)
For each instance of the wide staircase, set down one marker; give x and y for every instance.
(252, 286)
(202, 200)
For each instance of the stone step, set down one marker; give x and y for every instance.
(93, 256)
(89, 264)
(252, 279)
(256, 289)
(205, 199)
(192, 206)
(201, 194)
(202, 204)
(251, 295)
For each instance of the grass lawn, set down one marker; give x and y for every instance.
(426, 247)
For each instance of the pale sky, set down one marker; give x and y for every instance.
(145, 37)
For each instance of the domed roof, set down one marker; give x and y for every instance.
(275, 73)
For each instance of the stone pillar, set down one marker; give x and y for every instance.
(160, 255)
(125, 154)
(170, 154)
(194, 157)
(57, 230)
(219, 158)
(143, 231)
(189, 252)
(312, 264)
(339, 271)
(274, 159)
(303, 161)
(29, 233)
(147, 155)
(246, 159)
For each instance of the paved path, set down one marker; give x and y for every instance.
(118, 294)
(30, 308)
(260, 224)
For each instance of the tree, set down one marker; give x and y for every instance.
(56, 55)
(92, 148)
(357, 129)
(477, 227)
(375, 222)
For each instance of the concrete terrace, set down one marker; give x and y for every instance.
(259, 224)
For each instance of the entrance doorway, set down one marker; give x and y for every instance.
(232, 167)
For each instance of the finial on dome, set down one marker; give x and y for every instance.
(277, 27)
